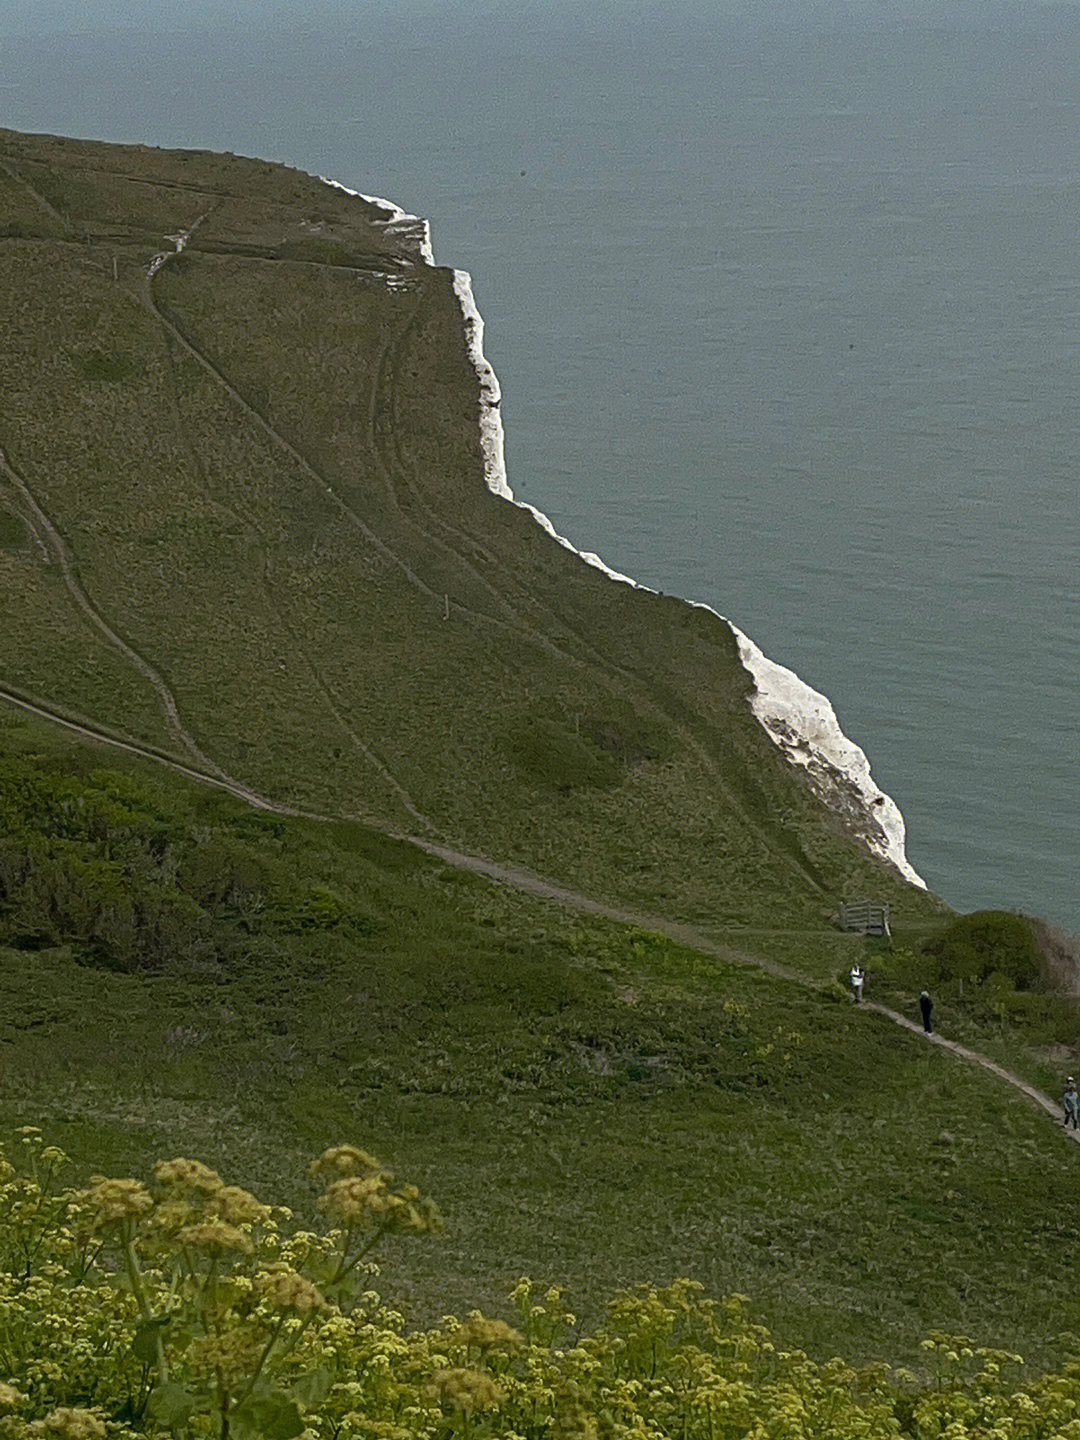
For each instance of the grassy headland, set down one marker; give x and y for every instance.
(264, 464)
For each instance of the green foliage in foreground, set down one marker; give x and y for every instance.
(189, 1308)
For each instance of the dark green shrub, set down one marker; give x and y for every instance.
(553, 755)
(974, 947)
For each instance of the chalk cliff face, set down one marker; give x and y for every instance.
(803, 723)
(259, 420)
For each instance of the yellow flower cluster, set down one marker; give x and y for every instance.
(237, 1207)
(10, 1397)
(486, 1334)
(466, 1390)
(217, 1237)
(191, 1174)
(285, 1289)
(109, 1201)
(209, 1304)
(161, 1227)
(231, 1356)
(362, 1200)
(69, 1424)
(345, 1160)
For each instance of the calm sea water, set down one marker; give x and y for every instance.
(787, 320)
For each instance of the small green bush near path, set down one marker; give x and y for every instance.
(187, 1307)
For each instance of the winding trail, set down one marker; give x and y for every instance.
(279, 440)
(1043, 1101)
(326, 694)
(20, 179)
(521, 879)
(248, 523)
(614, 678)
(56, 547)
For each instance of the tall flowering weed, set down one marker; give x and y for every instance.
(186, 1307)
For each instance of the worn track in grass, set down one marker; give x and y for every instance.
(612, 677)
(55, 545)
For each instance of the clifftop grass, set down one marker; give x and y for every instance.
(264, 464)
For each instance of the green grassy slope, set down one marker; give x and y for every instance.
(263, 466)
(588, 1102)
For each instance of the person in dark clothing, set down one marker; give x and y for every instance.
(1070, 1102)
(926, 1005)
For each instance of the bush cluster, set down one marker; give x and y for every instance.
(186, 1307)
(92, 862)
(993, 946)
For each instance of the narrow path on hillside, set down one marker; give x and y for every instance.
(58, 549)
(326, 694)
(521, 879)
(1043, 1101)
(695, 940)
(616, 679)
(20, 179)
(79, 725)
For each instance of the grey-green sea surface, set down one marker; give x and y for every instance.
(786, 315)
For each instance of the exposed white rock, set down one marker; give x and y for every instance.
(803, 723)
(410, 227)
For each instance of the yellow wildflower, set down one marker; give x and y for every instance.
(69, 1424)
(365, 1200)
(112, 1200)
(192, 1173)
(488, 1334)
(167, 1219)
(345, 1160)
(354, 1199)
(215, 1235)
(232, 1355)
(460, 1389)
(284, 1289)
(10, 1397)
(237, 1206)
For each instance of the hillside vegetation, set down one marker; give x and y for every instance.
(589, 1102)
(244, 520)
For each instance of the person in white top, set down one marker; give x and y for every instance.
(857, 978)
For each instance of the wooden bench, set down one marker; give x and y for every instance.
(864, 917)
